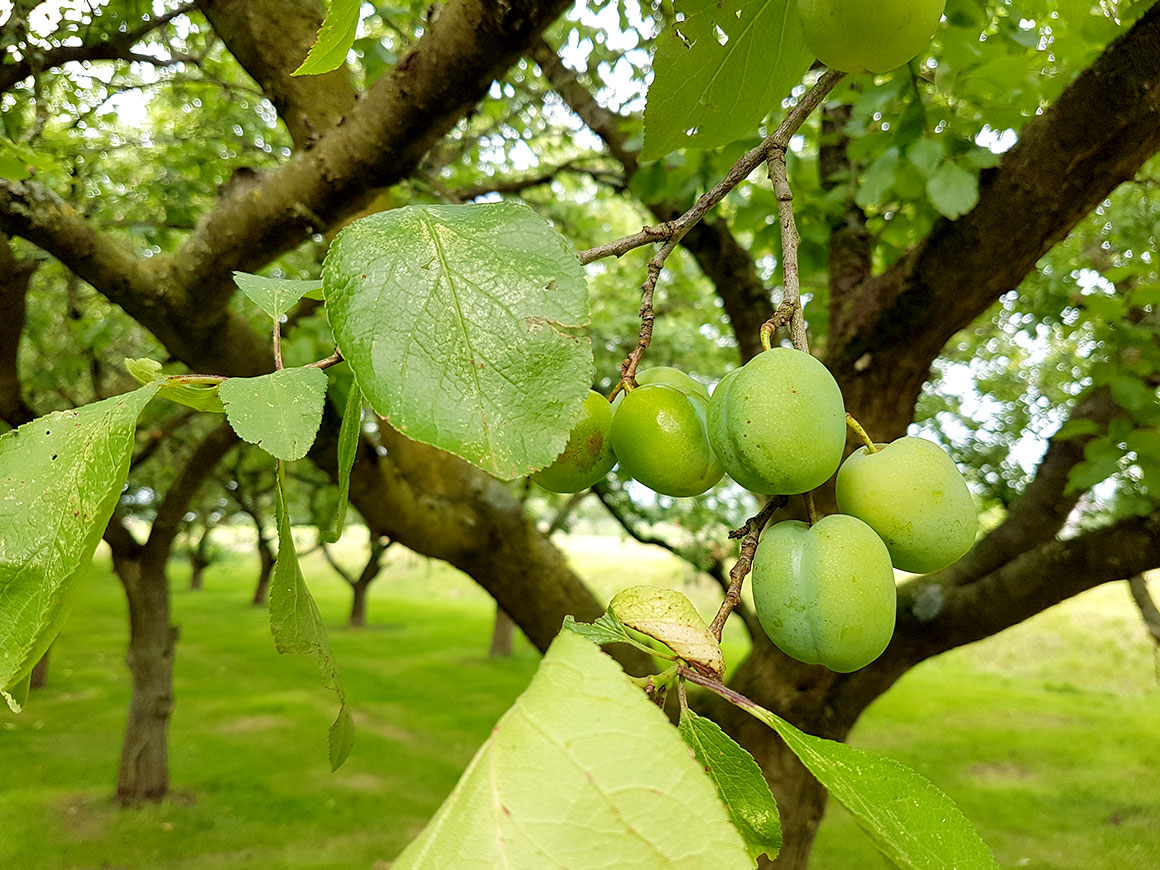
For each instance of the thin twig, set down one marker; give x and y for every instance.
(716, 686)
(332, 360)
(749, 535)
(676, 229)
(790, 240)
(771, 149)
(277, 345)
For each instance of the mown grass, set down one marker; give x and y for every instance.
(1047, 736)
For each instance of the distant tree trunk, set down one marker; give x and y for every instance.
(265, 571)
(502, 635)
(358, 605)
(197, 566)
(144, 771)
(1138, 586)
(39, 677)
(361, 585)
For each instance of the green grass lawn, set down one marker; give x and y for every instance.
(1048, 736)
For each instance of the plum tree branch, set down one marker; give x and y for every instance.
(673, 231)
(1063, 165)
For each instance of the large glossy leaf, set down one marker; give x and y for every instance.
(461, 325)
(60, 478)
(739, 781)
(720, 71)
(581, 773)
(297, 627)
(280, 412)
(913, 824)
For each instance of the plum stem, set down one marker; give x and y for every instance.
(871, 447)
(811, 509)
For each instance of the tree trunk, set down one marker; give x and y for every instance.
(197, 566)
(144, 771)
(266, 554)
(358, 605)
(502, 635)
(39, 676)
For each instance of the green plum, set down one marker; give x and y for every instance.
(913, 496)
(660, 438)
(666, 375)
(778, 423)
(875, 35)
(588, 455)
(825, 593)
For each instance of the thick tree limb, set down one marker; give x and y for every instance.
(1040, 512)
(261, 34)
(1096, 136)
(723, 260)
(380, 141)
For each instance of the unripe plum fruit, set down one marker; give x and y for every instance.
(660, 438)
(875, 35)
(588, 455)
(778, 423)
(912, 494)
(825, 593)
(666, 375)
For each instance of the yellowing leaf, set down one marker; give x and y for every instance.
(668, 616)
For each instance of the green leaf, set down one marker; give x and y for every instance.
(1131, 393)
(705, 93)
(925, 155)
(740, 783)
(348, 434)
(335, 38)
(60, 479)
(1146, 294)
(1076, 428)
(878, 180)
(606, 629)
(200, 397)
(912, 823)
(584, 773)
(13, 167)
(459, 323)
(1106, 308)
(1145, 443)
(297, 626)
(275, 296)
(280, 412)
(670, 617)
(953, 190)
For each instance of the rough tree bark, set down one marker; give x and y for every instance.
(885, 332)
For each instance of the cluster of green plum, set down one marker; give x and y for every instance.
(824, 592)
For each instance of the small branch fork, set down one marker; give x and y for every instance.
(749, 535)
(771, 149)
